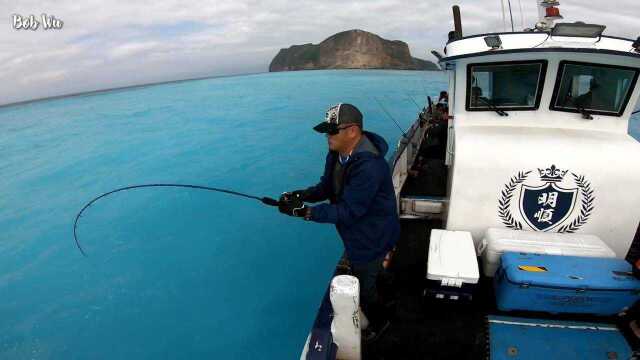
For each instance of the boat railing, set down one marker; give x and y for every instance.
(405, 154)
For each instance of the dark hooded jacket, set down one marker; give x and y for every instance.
(633, 255)
(364, 208)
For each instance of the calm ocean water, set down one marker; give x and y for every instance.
(175, 273)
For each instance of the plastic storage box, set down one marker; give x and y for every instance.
(452, 269)
(565, 284)
(498, 241)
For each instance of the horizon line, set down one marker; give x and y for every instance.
(129, 87)
(119, 88)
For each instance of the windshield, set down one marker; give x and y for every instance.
(598, 89)
(506, 86)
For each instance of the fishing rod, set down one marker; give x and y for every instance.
(414, 101)
(391, 117)
(265, 200)
(410, 98)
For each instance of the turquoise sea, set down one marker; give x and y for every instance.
(175, 273)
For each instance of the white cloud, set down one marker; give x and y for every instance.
(43, 76)
(122, 42)
(131, 49)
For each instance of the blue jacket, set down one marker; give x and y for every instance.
(365, 211)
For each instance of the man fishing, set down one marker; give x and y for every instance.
(362, 204)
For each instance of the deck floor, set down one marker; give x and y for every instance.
(422, 328)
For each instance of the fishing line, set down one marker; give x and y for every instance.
(414, 101)
(424, 87)
(391, 117)
(264, 200)
(410, 97)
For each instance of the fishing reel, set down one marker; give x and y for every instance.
(292, 203)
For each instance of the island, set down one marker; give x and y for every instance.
(352, 49)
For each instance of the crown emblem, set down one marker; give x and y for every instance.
(331, 116)
(552, 174)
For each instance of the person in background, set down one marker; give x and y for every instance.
(633, 257)
(418, 167)
(585, 101)
(362, 203)
(440, 114)
(444, 98)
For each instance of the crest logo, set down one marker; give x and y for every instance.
(547, 204)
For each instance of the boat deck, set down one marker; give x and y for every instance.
(423, 328)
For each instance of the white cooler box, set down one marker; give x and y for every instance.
(452, 269)
(497, 241)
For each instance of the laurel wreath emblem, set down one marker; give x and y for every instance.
(505, 200)
(587, 205)
(507, 194)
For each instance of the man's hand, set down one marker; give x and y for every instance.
(301, 194)
(291, 203)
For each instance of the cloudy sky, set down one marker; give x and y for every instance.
(106, 44)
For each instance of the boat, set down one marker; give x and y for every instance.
(535, 142)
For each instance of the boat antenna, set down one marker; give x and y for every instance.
(504, 20)
(404, 134)
(264, 200)
(521, 15)
(511, 16)
(457, 22)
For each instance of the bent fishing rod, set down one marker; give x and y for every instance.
(265, 200)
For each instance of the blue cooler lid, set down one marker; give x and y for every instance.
(571, 272)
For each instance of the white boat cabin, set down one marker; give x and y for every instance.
(538, 133)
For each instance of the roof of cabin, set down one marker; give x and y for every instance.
(475, 45)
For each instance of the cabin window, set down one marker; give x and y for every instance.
(593, 88)
(505, 86)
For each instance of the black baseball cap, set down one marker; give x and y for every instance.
(338, 115)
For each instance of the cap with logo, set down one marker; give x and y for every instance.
(338, 115)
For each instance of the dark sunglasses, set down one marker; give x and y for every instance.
(335, 130)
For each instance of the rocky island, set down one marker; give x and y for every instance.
(353, 49)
